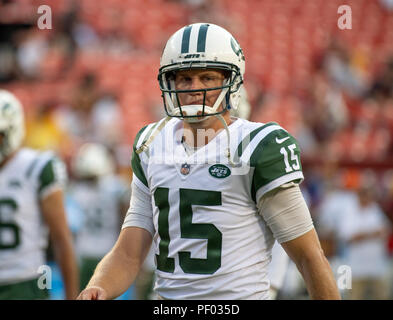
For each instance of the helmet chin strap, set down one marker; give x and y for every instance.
(228, 151)
(146, 143)
(193, 109)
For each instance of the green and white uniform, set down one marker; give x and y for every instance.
(210, 240)
(100, 204)
(24, 180)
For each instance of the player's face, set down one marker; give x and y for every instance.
(198, 79)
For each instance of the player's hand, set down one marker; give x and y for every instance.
(92, 293)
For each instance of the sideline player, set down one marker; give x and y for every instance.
(31, 206)
(100, 195)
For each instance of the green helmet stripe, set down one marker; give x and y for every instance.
(201, 46)
(185, 43)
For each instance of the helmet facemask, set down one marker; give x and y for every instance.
(227, 98)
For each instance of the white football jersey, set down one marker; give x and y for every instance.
(210, 242)
(28, 177)
(100, 205)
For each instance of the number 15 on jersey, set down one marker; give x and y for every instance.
(189, 230)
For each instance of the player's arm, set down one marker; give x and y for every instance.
(287, 215)
(277, 167)
(306, 252)
(119, 268)
(52, 207)
(51, 181)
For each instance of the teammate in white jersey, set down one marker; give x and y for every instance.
(31, 206)
(101, 197)
(210, 191)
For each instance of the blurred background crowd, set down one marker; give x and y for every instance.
(92, 77)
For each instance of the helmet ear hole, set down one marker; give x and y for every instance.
(171, 75)
(227, 74)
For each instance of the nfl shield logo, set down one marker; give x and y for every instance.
(185, 169)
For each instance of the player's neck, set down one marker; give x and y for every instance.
(201, 133)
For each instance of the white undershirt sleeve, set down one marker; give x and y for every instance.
(140, 212)
(285, 212)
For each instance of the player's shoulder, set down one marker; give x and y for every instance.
(258, 136)
(29, 153)
(26, 154)
(148, 134)
(257, 127)
(40, 161)
(28, 160)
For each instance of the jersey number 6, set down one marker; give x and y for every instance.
(189, 230)
(8, 230)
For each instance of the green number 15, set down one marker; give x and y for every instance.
(189, 230)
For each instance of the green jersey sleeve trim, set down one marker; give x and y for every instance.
(140, 184)
(136, 161)
(276, 155)
(294, 176)
(46, 177)
(247, 139)
(52, 175)
(148, 132)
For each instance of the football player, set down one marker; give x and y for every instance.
(212, 192)
(31, 206)
(100, 195)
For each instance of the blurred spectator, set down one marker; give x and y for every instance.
(325, 112)
(32, 48)
(77, 119)
(364, 229)
(43, 130)
(382, 87)
(107, 120)
(338, 196)
(84, 35)
(341, 71)
(7, 62)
